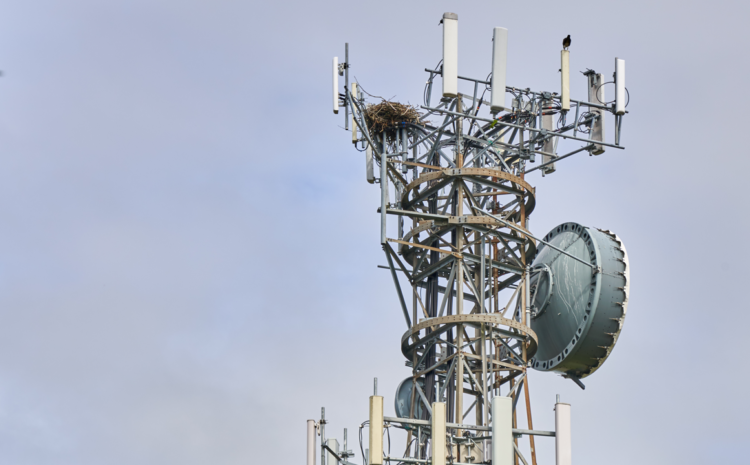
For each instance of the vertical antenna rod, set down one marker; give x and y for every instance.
(346, 84)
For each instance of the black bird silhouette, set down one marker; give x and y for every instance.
(566, 42)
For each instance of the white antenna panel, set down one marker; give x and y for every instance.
(596, 95)
(311, 433)
(369, 165)
(565, 80)
(336, 85)
(437, 423)
(499, 63)
(620, 96)
(333, 445)
(354, 121)
(450, 55)
(502, 431)
(549, 146)
(563, 450)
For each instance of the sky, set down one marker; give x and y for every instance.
(189, 249)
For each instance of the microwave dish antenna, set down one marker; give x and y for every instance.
(577, 311)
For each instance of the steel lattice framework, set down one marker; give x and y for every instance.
(455, 185)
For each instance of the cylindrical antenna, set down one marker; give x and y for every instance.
(336, 85)
(450, 55)
(311, 442)
(620, 97)
(375, 387)
(499, 63)
(565, 80)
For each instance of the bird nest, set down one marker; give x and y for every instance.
(386, 116)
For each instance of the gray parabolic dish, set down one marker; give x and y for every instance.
(577, 312)
(403, 399)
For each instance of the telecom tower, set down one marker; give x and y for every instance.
(489, 300)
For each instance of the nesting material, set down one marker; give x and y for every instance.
(385, 116)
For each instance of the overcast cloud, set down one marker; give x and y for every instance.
(188, 247)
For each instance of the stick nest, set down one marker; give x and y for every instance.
(385, 116)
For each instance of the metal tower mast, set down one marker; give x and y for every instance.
(453, 180)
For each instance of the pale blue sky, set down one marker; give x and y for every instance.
(188, 247)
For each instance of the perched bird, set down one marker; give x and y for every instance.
(566, 42)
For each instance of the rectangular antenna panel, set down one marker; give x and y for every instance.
(336, 85)
(563, 452)
(620, 97)
(548, 122)
(311, 433)
(502, 431)
(376, 430)
(565, 80)
(438, 433)
(450, 55)
(499, 63)
(354, 122)
(330, 458)
(596, 95)
(369, 164)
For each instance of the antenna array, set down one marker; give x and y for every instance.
(454, 181)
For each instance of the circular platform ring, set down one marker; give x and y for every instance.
(578, 309)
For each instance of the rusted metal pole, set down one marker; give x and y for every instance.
(523, 302)
(515, 424)
(528, 416)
